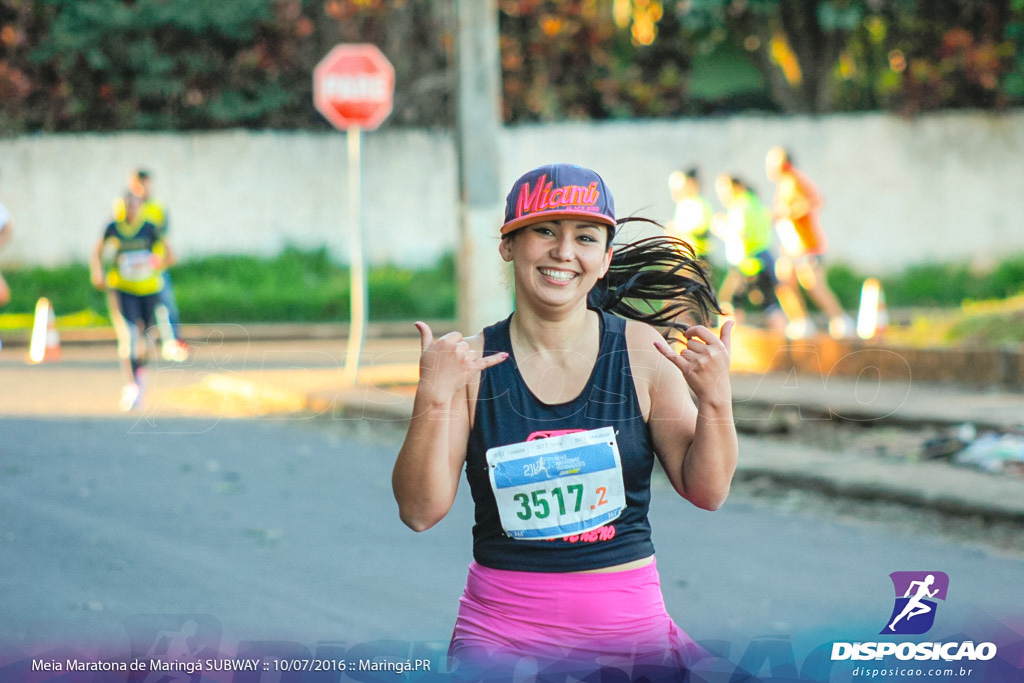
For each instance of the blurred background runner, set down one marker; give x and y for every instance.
(746, 229)
(168, 320)
(795, 211)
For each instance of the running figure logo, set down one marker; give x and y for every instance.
(916, 593)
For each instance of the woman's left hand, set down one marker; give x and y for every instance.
(704, 362)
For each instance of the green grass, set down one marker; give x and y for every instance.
(999, 321)
(306, 286)
(296, 286)
(67, 286)
(933, 285)
(948, 303)
(955, 303)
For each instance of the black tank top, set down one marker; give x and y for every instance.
(507, 412)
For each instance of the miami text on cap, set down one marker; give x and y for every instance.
(558, 191)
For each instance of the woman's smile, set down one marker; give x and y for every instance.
(558, 275)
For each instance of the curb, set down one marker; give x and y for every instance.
(937, 486)
(755, 351)
(235, 332)
(759, 351)
(871, 492)
(934, 486)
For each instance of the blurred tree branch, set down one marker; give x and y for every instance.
(103, 65)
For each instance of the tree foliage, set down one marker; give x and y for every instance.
(68, 65)
(898, 55)
(103, 65)
(570, 60)
(155, 64)
(818, 56)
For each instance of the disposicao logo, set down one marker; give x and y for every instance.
(916, 595)
(913, 614)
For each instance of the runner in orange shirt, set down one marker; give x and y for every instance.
(796, 208)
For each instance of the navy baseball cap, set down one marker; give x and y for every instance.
(556, 191)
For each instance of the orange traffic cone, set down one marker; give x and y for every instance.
(873, 317)
(883, 313)
(45, 344)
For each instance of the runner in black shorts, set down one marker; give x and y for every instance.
(746, 230)
(128, 262)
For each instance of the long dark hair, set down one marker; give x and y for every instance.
(657, 280)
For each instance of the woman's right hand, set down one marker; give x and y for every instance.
(448, 364)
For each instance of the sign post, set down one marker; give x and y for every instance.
(353, 87)
(482, 295)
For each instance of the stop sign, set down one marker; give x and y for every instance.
(353, 86)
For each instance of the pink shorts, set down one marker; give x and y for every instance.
(590, 619)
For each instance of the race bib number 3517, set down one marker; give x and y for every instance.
(559, 486)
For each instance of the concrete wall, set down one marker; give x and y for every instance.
(941, 187)
(234, 192)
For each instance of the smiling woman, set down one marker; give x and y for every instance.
(557, 259)
(557, 414)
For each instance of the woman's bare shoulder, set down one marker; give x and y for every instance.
(641, 336)
(644, 358)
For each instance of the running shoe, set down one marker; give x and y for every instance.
(131, 397)
(842, 327)
(174, 350)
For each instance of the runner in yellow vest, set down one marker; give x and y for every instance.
(746, 229)
(172, 348)
(691, 220)
(128, 263)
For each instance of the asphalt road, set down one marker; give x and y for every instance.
(272, 527)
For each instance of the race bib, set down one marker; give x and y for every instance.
(135, 266)
(559, 486)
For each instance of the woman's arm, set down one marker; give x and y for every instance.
(696, 444)
(96, 275)
(429, 464)
(6, 233)
(165, 255)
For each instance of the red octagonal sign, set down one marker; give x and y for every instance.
(353, 86)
